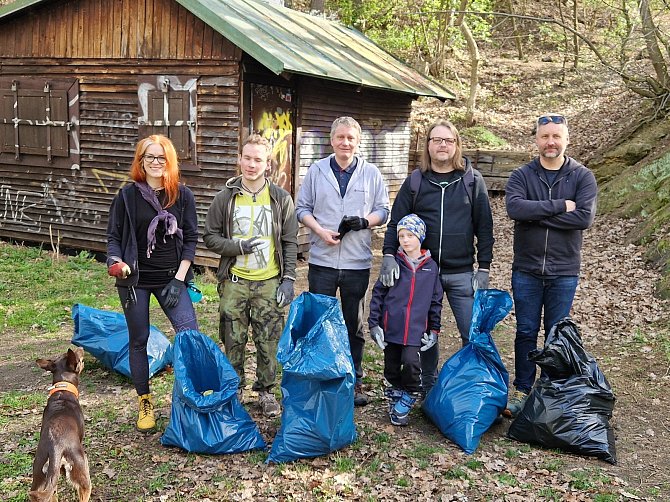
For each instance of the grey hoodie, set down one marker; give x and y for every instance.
(319, 196)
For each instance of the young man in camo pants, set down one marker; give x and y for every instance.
(251, 223)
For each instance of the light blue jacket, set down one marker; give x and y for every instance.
(319, 196)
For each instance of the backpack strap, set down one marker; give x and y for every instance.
(468, 180)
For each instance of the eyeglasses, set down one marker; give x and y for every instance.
(150, 159)
(439, 141)
(556, 119)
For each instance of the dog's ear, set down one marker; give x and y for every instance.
(75, 359)
(46, 364)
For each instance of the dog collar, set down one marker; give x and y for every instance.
(67, 386)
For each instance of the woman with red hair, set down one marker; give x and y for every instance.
(151, 237)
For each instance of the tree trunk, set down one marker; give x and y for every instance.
(575, 38)
(316, 5)
(473, 50)
(515, 32)
(650, 37)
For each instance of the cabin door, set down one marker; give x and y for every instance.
(273, 116)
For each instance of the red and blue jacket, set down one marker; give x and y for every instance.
(412, 306)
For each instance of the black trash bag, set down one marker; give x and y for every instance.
(570, 406)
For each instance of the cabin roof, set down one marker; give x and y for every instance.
(286, 41)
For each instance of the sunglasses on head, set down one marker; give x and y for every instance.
(556, 119)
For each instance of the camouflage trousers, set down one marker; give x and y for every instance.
(254, 303)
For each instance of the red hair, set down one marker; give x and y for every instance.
(171, 175)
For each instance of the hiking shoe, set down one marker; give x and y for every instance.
(399, 415)
(360, 399)
(269, 405)
(393, 395)
(515, 404)
(146, 421)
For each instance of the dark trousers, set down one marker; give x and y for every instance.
(353, 285)
(532, 295)
(182, 317)
(461, 297)
(402, 367)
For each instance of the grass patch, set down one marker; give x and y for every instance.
(345, 464)
(404, 482)
(507, 479)
(473, 465)
(45, 286)
(553, 464)
(456, 473)
(14, 400)
(587, 479)
(548, 493)
(483, 137)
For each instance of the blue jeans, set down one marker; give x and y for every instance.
(181, 316)
(353, 286)
(461, 297)
(531, 295)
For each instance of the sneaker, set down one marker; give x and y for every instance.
(269, 405)
(146, 421)
(360, 399)
(515, 404)
(399, 415)
(393, 395)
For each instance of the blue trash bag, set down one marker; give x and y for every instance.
(571, 403)
(471, 390)
(213, 423)
(317, 381)
(104, 335)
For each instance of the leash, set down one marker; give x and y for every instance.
(63, 386)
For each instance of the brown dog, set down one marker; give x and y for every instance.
(60, 449)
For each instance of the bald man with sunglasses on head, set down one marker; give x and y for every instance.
(552, 200)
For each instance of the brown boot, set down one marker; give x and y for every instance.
(360, 399)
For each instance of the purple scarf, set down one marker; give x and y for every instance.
(166, 217)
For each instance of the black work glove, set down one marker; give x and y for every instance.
(285, 292)
(172, 291)
(248, 246)
(343, 228)
(356, 222)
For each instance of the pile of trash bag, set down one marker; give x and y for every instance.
(104, 335)
(317, 381)
(206, 415)
(471, 390)
(570, 405)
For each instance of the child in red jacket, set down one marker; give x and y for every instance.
(405, 318)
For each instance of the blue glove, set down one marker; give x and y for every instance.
(428, 340)
(390, 270)
(285, 292)
(172, 292)
(480, 279)
(377, 335)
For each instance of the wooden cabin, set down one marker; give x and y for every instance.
(82, 80)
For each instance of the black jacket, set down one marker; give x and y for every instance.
(122, 236)
(547, 239)
(452, 222)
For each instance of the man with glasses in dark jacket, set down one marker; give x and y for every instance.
(552, 200)
(450, 196)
